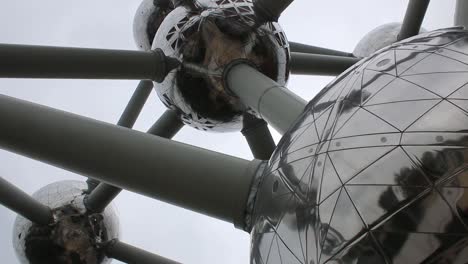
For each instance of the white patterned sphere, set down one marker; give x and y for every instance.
(376, 168)
(206, 36)
(47, 244)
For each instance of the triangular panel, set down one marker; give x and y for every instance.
(438, 163)
(384, 62)
(402, 114)
(375, 202)
(461, 93)
(373, 82)
(442, 84)
(401, 90)
(364, 123)
(429, 214)
(436, 63)
(463, 104)
(364, 250)
(345, 226)
(395, 168)
(286, 255)
(330, 181)
(349, 163)
(408, 58)
(444, 117)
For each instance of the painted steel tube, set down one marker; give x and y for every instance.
(315, 64)
(303, 48)
(413, 18)
(167, 126)
(23, 204)
(461, 13)
(258, 137)
(129, 254)
(28, 61)
(204, 181)
(276, 104)
(102, 194)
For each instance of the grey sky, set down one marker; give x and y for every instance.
(167, 230)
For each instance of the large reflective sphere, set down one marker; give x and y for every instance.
(72, 238)
(376, 169)
(207, 36)
(378, 38)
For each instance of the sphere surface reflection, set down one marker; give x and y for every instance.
(376, 169)
(206, 36)
(73, 236)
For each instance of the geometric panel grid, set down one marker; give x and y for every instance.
(380, 173)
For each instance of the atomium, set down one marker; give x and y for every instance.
(206, 36)
(372, 170)
(75, 233)
(375, 170)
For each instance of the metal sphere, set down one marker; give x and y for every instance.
(378, 38)
(206, 36)
(148, 18)
(66, 239)
(376, 169)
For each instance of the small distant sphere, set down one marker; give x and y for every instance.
(376, 168)
(377, 39)
(208, 35)
(148, 18)
(48, 244)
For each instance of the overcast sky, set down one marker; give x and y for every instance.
(161, 228)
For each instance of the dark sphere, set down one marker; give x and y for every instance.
(376, 169)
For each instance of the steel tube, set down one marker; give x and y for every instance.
(270, 10)
(258, 137)
(167, 126)
(204, 181)
(413, 18)
(23, 204)
(303, 48)
(314, 64)
(102, 194)
(27, 61)
(275, 103)
(135, 105)
(461, 13)
(130, 254)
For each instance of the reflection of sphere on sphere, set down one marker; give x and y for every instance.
(209, 35)
(66, 239)
(375, 170)
(377, 39)
(148, 18)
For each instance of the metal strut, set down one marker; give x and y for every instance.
(27, 61)
(413, 19)
(23, 204)
(204, 181)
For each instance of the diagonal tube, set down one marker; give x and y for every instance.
(129, 254)
(167, 126)
(258, 137)
(315, 64)
(204, 181)
(413, 18)
(303, 48)
(274, 102)
(28, 61)
(127, 119)
(23, 204)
